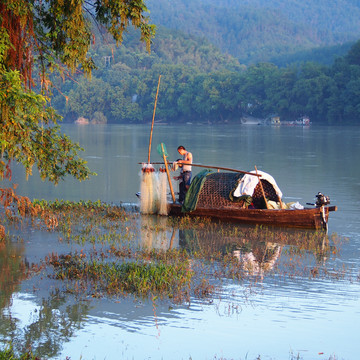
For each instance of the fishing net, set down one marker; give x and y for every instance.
(153, 191)
(161, 149)
(153, 187)
(162, 184)
(149, 190)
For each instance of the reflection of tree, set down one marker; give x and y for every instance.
(12, 269)
(50, 326)
(54, 323)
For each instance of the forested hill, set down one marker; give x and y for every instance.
(123, 89)
(202, 84)
(169, 47)
(259, 30)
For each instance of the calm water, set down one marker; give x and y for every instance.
(313, 318)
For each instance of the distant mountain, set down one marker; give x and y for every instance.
(325, 55)
(259, 30)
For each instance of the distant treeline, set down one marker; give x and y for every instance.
(260, 30)
(200, 84)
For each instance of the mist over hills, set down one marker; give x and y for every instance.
(261, 30)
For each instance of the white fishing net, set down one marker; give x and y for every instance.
(149, 190)
(163, 181)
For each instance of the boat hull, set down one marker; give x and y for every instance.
(308, 218)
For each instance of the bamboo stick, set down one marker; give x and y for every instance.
(262, 189)
(215, 167)
(168, 174)
(281, 203)
(153, 118)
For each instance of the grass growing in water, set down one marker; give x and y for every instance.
(210, 252)
(9, 354)
(163, 278)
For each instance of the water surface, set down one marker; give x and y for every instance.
(313, 317)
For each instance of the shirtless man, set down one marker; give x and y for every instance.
(185, 174)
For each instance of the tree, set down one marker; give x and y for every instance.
(49, 35)
(279, 92)
(89, 97)
(52, 34)
(353, 56)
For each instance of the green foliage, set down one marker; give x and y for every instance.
(53, 35)
(171, 278)
(65, 27)
(8, 354)
(69, 205)
(28, 135)
(324, 93)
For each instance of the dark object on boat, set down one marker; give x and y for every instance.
(214, 201)
(322, 199)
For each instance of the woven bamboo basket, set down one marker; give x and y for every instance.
(215, 193)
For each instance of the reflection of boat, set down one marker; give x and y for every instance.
(257, 249)
(155, 233)
(214, 200)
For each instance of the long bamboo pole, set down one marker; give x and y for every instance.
(215, 167)
(153, 118)
(168, 174)
(262, 189)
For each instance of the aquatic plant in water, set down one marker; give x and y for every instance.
(209, 252)
(161, 278)
(9, 354)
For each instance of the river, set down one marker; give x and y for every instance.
(284, 317)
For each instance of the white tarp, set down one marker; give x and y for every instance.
(248, 183)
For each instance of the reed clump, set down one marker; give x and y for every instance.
(88, 221)
(161, 278)
(9, 354)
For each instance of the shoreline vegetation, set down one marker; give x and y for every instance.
(218, 90)
(111, 261)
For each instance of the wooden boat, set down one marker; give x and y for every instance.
(214, 202)
(308, 218)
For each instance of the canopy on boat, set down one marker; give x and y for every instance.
(216, 191)
(248, 184)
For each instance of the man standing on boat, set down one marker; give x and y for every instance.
(185, 174)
